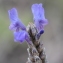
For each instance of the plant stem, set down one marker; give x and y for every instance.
(35, 36)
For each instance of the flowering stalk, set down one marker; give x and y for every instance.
(31, 34)
(35, 40)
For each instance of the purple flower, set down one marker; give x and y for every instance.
(38, 16)
(21, 36)
(20, 33)
(16, 24)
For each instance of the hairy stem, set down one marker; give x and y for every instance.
(33, 54)
(35, 36)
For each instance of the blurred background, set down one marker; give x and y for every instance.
(12, 52)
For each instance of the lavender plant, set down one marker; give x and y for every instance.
(31, 34)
